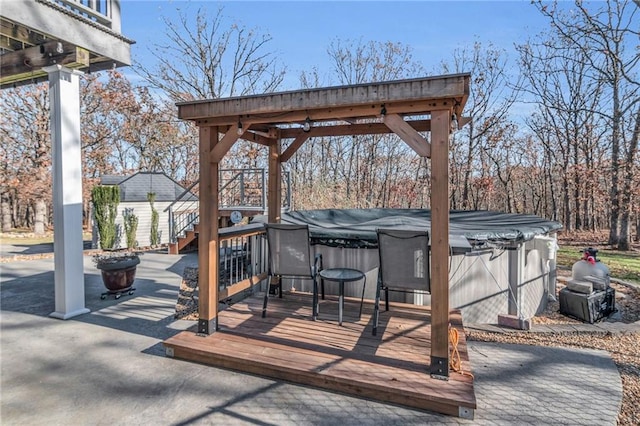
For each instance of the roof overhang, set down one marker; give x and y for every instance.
(352, 105)
(39, 33)
(402, 107)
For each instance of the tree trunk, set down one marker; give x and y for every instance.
(577, 182)
(566, 204)
(624, 242)
(40, 222)
(6, 212)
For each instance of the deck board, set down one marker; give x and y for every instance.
(287, 345)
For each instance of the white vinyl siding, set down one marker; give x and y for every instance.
(143, 234)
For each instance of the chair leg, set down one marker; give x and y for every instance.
(322, 287)
(280, 288)
(364, 285)
(266, 298)
(315, 308)
(386, 299)
(376, 310)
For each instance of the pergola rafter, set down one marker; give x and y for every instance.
(404, 107)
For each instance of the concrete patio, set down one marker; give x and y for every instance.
(109, 367)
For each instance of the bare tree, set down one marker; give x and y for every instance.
(489, 104)
(356, 62)
(107, 102)
(25, 148)
(364, 170)
(603, 37)
(205, 57)
(127, 129)
(567, 97)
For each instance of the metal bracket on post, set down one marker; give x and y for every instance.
(439, 368)
(207, 327)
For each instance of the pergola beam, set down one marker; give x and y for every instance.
(275, 183)
(252, 136)
(329, 114)
(408, 134)
(439, 365)
(373, 128)
(444, 92)
(297, 143)
(208, 241)
(234, 133)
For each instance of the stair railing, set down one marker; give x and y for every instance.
(183, 212)
(240, 189)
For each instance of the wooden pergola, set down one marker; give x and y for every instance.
(284, 121)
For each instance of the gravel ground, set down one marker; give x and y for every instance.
(623, 347)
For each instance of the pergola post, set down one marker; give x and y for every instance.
(208, 243)
(64, 95)
(274, 199)
(440, 244)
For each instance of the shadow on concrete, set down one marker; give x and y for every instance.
(149, 311)
(16, 249)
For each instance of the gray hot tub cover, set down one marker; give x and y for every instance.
(356, 228)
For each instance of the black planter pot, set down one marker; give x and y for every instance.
(118, 276)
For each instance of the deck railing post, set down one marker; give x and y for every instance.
(114, 14)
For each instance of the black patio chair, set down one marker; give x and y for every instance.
(404, 265)
(290, 257)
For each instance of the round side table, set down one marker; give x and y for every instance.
(341, 276)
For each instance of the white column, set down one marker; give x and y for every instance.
(64, 103)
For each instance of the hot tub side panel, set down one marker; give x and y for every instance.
(479, 285)
(533, 291)
(479, 281)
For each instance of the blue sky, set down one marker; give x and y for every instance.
(302, 30)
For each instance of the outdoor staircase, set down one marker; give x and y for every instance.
(185, 240)
(242, 190)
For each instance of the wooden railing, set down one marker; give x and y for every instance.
(243, 259)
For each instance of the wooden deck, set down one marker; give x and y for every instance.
(390, 367)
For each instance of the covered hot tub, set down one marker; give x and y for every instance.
(499, 263)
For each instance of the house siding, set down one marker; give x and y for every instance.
(134, 192)
(143, 234)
